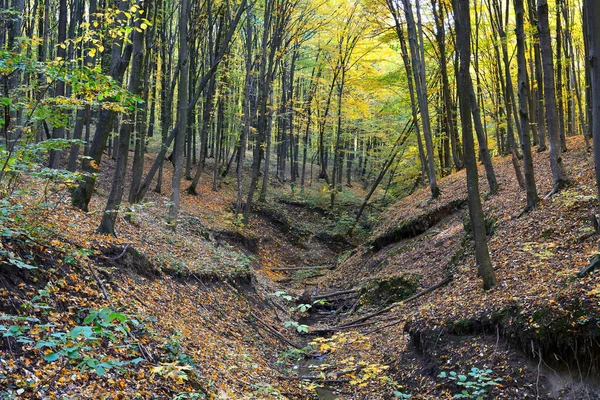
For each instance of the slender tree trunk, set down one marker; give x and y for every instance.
(219, 133)
(559, 175)
(247, 112)
(411, 90)
(311, 92)
(82, 195)
(541, 119)
(421, 88)
(484, 153)
(337, 150)
(182, 112)
(593, 38)
(559, 80)
(81, 115)
(447, 100)
(588, 77)
(530, 186)
(265, 181)
(109, 217)
(463, 36)
(61, 51)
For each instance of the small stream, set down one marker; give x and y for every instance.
(308, 365)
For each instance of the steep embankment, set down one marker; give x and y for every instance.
(153, 313)
(537, 330)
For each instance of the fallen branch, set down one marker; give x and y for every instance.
(315, 379)
(594, 263)
(364, 318)
(117, 257)
(380, 328)
(301, 268)
(334, 294)
(359, 325)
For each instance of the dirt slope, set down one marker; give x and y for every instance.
(537, 309)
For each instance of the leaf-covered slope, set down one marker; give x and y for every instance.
(538, 305)
(177, 309)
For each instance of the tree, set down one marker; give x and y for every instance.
(411, 90)
(417, 60)
(182, 110)
(109, 217)
(119, 58)
(448, 108)
(530, 186)
(58, 132)
(463, 41)
(559, 175)
(593, 38)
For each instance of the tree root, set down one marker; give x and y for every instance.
(594, 263)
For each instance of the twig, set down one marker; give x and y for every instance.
(360, 325)
(393, 323)
(273, 331)
(101, 285)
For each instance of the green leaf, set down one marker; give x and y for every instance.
(82, 330)
(90, 318)
(51, 357)
(118, 316)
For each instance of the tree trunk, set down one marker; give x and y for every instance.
(541, 119)
(559, 175)
(421, 88)
(463, 36)
(530, 186)
(559, 80)
(82, 195)
(109, 217)
(447, 100)
(265, 182)
(593, 37)
(484, 153)
(61, 51)
(182, 112)
(411, 90)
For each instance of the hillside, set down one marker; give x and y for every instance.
(537, 329)
(203, 311)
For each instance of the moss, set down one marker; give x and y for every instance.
(390, 290)
(461, 327)
(547, 233)
(398, 251)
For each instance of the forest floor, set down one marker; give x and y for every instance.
(221, 309)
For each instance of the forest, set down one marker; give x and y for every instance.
(299, 199)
